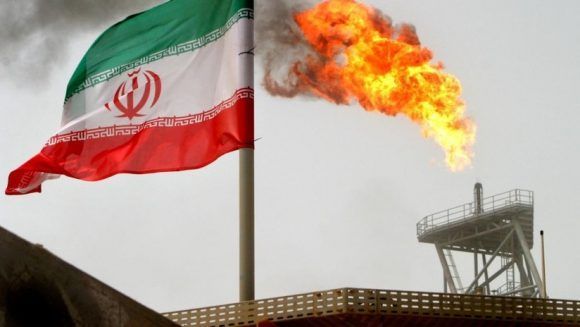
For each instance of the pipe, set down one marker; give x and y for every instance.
(478, 198)
(543, 265)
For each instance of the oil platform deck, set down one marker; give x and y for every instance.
(454, 228)
(371, 307)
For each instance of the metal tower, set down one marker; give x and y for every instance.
(498, 231)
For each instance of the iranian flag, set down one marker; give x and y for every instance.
(167, 89)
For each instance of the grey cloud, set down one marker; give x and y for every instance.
(35, 33)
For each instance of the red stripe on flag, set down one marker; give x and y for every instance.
(151, 150)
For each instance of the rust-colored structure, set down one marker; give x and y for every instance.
(374, 308)
(39, 289)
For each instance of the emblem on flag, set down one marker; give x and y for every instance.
(128, 107)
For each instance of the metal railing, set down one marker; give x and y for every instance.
(507, 287)
(489, 205)
(382, 302)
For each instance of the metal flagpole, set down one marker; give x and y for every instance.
(246, 224)
(247, 194)
(543, 265)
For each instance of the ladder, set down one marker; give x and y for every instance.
(510, 279)
(453, 270)
(509, 274)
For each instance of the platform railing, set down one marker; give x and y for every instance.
(383, 302)
(466, 211)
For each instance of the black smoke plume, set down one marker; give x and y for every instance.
(280, 43)
(35, 34)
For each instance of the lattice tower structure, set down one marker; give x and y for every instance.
(498, 232)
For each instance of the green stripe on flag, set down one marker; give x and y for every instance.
(172, 28)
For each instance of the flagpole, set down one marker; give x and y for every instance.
(246, 224)
(247, 188)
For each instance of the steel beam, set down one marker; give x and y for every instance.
(475, 268)
(523, 274)
(470, 287)
(484, 260)
(528, 257)
(520, 290)
(497, 274)
(467, 238)
(446, 271)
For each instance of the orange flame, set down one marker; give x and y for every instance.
(358, 54)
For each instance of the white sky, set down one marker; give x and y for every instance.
(338, 190)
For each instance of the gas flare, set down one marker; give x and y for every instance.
(357, 54)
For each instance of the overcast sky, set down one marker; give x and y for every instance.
(338, 190)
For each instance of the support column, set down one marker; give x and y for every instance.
(475, 268)
(524, 281)
(484, 261)
(528, 257)
(446, 271)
